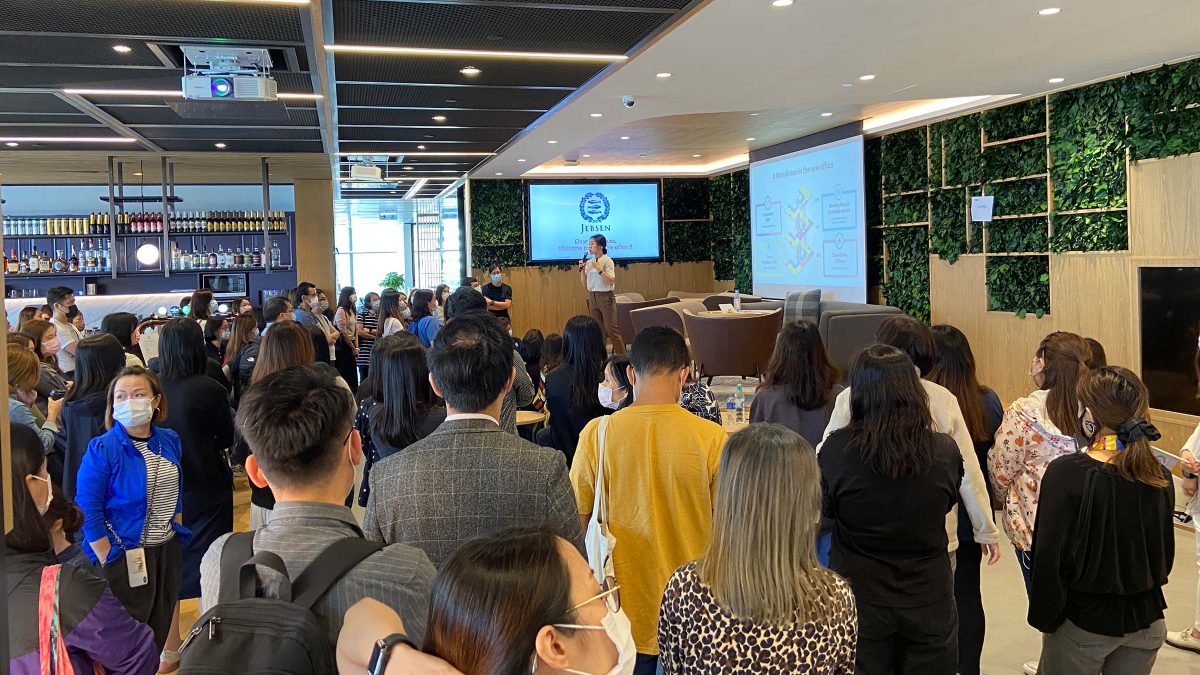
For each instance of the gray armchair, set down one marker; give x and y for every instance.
(624, 308)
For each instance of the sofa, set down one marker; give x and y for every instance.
(846, 328)
(669, 314)
(625, 306)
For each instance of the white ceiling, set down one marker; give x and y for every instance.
(734, 57)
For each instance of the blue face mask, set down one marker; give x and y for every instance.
(496, 278)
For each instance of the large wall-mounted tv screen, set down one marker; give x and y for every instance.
(562, 216)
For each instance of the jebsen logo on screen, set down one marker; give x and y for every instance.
(594, 209)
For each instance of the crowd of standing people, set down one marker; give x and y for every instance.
(399, 511)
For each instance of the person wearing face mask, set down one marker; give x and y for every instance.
(243, 332)
(660, 463)
(61, 299)
(76, 317)
(93, 627)
(323, 304)
(23, 373)
(307, 303)
(123, 326)
(524, 601)
(241, 306)
(203, 306)
(216, 335)
(392, 312)
(572, 389)
(441, 295)
(1036, 430)
(45, 346)
(499, 294)
(615, 392)
(129, 489)
(368, 330)
(345, 320)
(298, 423)
(1104, 542)
(324, 319)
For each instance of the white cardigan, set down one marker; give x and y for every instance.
(948, 419)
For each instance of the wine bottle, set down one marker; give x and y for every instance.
(274, 253)
(23, 267)
(12, 264)
(73, 261)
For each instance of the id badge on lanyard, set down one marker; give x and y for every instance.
(135, 565)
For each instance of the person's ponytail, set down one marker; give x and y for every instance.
(1119, 402)
(1065, 355)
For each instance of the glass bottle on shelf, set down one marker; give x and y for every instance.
(256, 260)
(23, 265)
(35, 264)
(73, 261)
(274, 253)
(13, 264)
(60, 262)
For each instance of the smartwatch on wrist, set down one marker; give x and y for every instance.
(383, 650)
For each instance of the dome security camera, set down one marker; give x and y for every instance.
(628, 101)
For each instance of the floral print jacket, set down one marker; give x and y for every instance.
(1026, 443)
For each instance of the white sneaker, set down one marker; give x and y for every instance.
(1184, 640)
(1030, 667)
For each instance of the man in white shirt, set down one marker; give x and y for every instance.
(915, 339)
(599, 277)
(61, 299)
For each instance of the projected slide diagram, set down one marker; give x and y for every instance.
(807, 218)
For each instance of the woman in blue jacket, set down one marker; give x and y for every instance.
(424, 324)
(128, 488)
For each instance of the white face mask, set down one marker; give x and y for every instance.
(353, 299)
(134, 412)
(323, 304)
(616, 626)
(43, 508)
(606, 397)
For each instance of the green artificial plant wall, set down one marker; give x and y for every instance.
(729, 199)
(497, 213)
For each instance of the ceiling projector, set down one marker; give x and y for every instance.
(365, 172)
(228, 73)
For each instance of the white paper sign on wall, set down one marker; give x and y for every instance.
(981, 209)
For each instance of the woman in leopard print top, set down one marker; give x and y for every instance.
(758, 601)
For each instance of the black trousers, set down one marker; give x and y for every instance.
(154, 603)
(971, 622)
(916, 640)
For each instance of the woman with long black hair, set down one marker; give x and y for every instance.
(572, 388)
(801, 384)
(423, 324)
(346, 348)
(98, 359)
(954, 369)
(894, 558)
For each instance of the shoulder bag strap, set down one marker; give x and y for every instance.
(52, 649)
(599, 503)
(329, 566)
(238, 549)
(248, 576)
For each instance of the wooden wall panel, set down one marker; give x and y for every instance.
(545, 297)
(1093, 294)
(314, 233)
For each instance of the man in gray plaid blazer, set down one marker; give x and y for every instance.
(469, 478)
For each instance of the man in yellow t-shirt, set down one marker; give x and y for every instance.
(660, 468)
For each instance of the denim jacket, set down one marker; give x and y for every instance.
(111, 487)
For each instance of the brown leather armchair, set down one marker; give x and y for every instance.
(733, 346)
(624, 308)
(670, 314)
(714, 302)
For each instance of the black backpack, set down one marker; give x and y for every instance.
(248, 634)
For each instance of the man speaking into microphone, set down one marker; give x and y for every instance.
(598, 275)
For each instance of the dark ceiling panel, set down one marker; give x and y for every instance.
(460, 97)
(383, 68)
(233, 21)
(243, 146)
(461, 118)
(48, 103)
(227, 133)
(422, 135)
(68, 77)
(469, 26)
(74, 50)
(377, 148)
(160, 114)
(43, 118)
(667, 6)
(96, 130)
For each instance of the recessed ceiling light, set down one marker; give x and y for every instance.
(470, 71)
(138, 173)
(755, 114)
(641, 155)
(847, 85)
(1049, 11)
(122, 49)
(750, 138)
(428, 135)
(696, 155)
(826, 114)
(221, 145)
(1055, 80)
(866, 78)
(420, 147)
(551, 142)
(624, 138)
(499, 173)
(663, 76)
(585, 155)
(781, 3)
(408, 168)
(451, 100)
(597, 114)
(12, 144)
(521, 159)
(439, 118)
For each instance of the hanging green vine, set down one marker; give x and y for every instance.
(1019, 197)
(906, 209)
(1019, 284)
(1017, 235)
(907, 272)
(902, 161)
(948, 229)
(1087, 131)
(1016, 120)
(1091, 232)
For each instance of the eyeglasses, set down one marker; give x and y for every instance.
(610, 591)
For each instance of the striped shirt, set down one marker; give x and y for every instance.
(369, 322)
(162, 495)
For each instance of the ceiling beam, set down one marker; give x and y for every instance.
(316, 21)
(85, 106)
